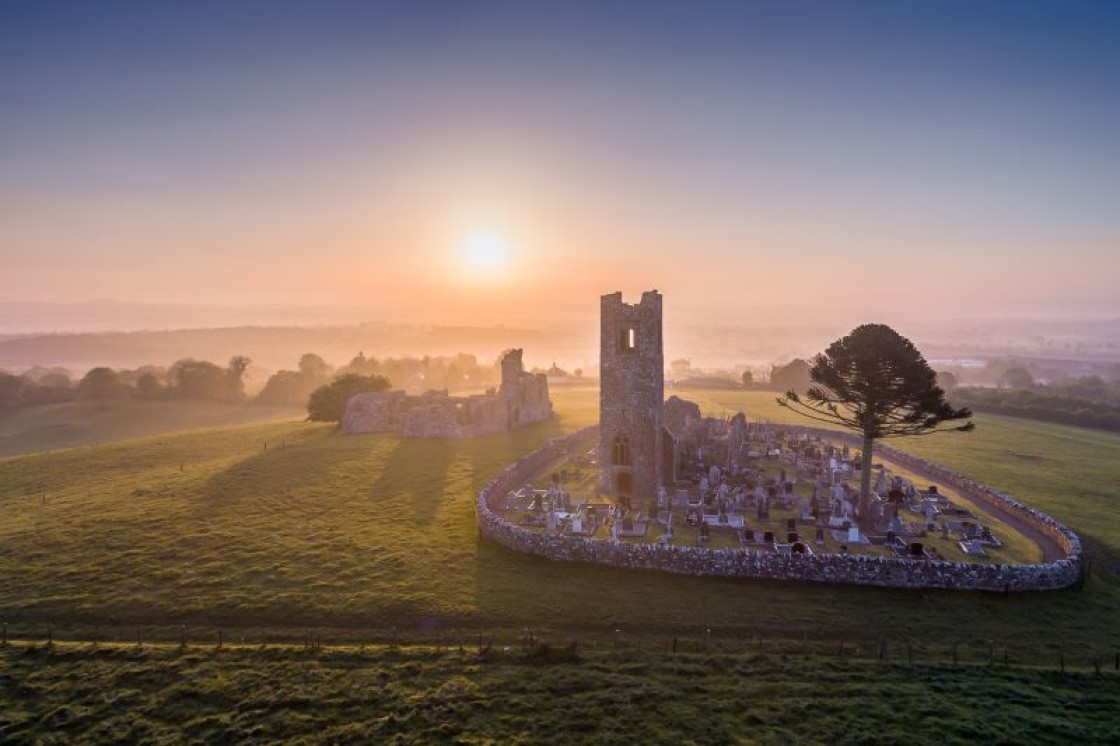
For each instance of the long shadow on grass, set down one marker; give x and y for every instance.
(417, 471)
(279, 470)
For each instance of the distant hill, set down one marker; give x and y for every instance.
(277, 347)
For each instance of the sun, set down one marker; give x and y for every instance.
(485, 252)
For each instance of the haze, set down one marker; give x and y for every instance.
(794, 165)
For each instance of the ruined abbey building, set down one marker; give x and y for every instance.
(522, 399)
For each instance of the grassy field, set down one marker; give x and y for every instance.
(287, 525)
(84, 423)
(535, 695)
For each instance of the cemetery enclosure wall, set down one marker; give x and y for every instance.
(749, 563)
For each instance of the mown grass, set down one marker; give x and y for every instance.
(422, 695)
(210, 529)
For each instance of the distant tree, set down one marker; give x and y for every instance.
(55, 380)
(747, 378)
(314, 368)
(1017, 378)
(286, 387)
(11, 392)
(876, 383)
(102, 385)
(235, 378)
(362, 365)
(328, 402)
(148, 386)
(792, 377)
(47, 376)
(198, 379)
(947, 380)
(294, 387)
(578, 372)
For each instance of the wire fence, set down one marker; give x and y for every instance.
(549, 646)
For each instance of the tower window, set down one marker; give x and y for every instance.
(620, 453)
(626, 339)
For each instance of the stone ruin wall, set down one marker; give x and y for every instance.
(522, 399)
(855, 569)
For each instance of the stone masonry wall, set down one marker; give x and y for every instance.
(522, 399)
(748, 563)
(631, 394)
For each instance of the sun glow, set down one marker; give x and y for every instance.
(485, 252)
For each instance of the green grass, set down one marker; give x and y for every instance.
(83, 423)
(369, 532)
(617, 696)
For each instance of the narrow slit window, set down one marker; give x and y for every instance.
(626, 339)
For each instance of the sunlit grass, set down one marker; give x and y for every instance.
(375, 531)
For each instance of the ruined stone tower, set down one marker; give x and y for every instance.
(631, 396)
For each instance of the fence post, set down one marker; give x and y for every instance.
(182, 635)
(219, 639)
(50, 635)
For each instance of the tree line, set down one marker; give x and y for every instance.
(199, 380)
(314, 383)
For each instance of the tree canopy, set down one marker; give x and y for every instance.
(328, 402)
(101, 385)
(876, 383)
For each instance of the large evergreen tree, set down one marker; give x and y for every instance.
(876, 383)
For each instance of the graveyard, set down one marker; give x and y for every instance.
(756, 499)
(788, 492)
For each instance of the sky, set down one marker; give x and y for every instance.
(496, 162)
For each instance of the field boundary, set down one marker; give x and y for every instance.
(851, 569)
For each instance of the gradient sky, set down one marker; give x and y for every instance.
(870, 159)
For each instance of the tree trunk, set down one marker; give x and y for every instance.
(865, 483)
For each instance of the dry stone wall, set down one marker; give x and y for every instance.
(749, 563)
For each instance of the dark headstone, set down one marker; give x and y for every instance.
(916, 549)
(791, 537)
(798, 547)
(768, 537)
